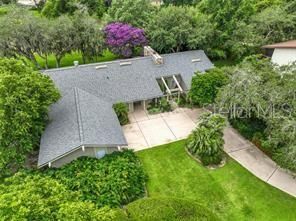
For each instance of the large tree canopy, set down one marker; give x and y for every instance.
(25, 96)
(273, 24)
(124, 39)
(22, 34)
(55, 8)
(228, 17)
(135, 12)
(175, 29)
(260, 90)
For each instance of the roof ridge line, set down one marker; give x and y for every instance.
(78, 111)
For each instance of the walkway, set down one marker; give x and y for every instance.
(254, 160)
(145, 131)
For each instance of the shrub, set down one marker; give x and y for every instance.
(77, 211)
(248, 127)
(114, 180)
(254, 130)
(168, 209)
(204, 87)
(25, 96)
(31, 196)
(206, 141)
(286, 157)
(121, 110)
(184, 101)
(159, 107)
(124, 39)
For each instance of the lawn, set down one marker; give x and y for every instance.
(231, 192)
(68, 59)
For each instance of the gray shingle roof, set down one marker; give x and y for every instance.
(132, 82)
(79, 118)
(84, 116)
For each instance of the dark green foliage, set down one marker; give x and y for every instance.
(174, 29)
(31, 196)
(239, 28)
(114, 180)
(164, 105)
(38, 38)
(121, 110)
(55, 8)
(183, 101)
(134, 12)
(286, 157)
(206, 141)
(179, 2)
(248, 127)
(82, 190)
(168, 209)
(3, 2)
(260, 90)
(25, 96)
(159, 106)
(204, 87)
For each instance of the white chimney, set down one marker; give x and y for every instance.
(148, 51)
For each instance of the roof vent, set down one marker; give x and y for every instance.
(76, 63)
(125, 63)
(196, 60)
(101, 67)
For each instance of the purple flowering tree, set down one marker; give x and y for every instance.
(124, 39)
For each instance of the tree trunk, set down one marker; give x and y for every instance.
(46, 61)
(83, 57)
(58, 61)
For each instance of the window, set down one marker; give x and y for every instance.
(100, 153)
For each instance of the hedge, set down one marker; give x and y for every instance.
(114, 180)
(168, 209)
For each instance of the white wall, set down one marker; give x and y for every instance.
(284, 56)
(89, 151)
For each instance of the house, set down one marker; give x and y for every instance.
(28, 2)
(83, 122)
(283, 53)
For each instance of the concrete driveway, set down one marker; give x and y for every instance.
(146, 130)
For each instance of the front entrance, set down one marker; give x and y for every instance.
(137, 106)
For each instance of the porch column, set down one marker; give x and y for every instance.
(131, 107)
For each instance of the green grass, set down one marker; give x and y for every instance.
(68, 59)
(231, 192)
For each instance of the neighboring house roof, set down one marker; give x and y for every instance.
(27, 2)
(287, 44)
(84, 115)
